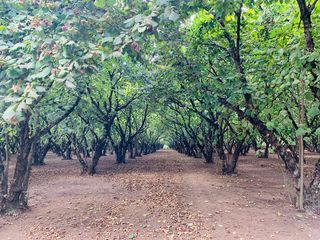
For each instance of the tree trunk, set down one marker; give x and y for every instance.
(56, 149)
(18, 195)
(85, 149)
(219, 146)
(312, 193)
(266, 151)
(305, 16)
(44, 153)
(231, 168)
(105, 149)
(39, 153)
(3, 185)
(254, 145)
(83, 164)
(4, 170)
(208, 153)
(287, 156)
(120, 153)
(137, 152)
(67, 155)
(220, 149)
(209, 157)
(98, 151)
(132, 151)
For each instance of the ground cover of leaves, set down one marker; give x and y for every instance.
(165, 195)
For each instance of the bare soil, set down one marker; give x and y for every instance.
(165, 195)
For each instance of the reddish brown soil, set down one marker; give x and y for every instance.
(161, 196)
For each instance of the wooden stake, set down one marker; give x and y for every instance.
(6, 170)
(301, 148)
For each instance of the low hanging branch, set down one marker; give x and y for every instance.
(45, 130)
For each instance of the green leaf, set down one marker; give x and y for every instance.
(270, 125)
(142, 29)
(107, 39)
(40, 89)
(129, 22)
(70, 84)
(314, 111)
(174, 16)
(117, 40)
(63, 61)
(281, 51)
(44, 73)
(314, 56)
(87, 56)
(170, 14)
(163, 2)
(309, 97)
(28, 65)
(3, 47)
(100, 3)
(132, 236)
(8, 114)
(301, 131)
(307, 139)
(14, 72)
(17, 46)
(33, 94)
(62, 74)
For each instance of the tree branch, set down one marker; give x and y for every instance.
(56, 121)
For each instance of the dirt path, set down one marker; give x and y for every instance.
(161, 196)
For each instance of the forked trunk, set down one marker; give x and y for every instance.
(231, 167)
(67, 155)
(39, 153)
(120, 153)
(220, 151)
(98, 152)
(83, 164)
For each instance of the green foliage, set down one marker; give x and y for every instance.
(179, 55)
(46, 43)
